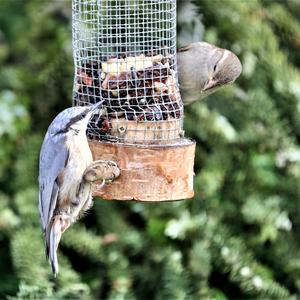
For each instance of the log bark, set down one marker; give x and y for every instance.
(148, 173)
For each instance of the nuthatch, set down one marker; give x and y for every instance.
(204, 68)
(66, 174)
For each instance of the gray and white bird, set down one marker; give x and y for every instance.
(204, 68)
(66, 174)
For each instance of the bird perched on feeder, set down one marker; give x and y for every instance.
(204, 68)
(66, 174)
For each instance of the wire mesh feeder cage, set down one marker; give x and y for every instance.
(125, 56)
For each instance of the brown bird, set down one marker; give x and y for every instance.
(204, 68)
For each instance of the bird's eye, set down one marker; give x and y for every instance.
(215, 67)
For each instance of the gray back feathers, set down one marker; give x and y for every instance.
(53, 159)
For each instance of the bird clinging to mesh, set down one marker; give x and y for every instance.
(204, 68)
(66, 174)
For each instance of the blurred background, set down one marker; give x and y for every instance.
(239, 238)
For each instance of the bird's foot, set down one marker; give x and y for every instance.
(103, 170)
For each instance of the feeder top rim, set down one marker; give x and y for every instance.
(183, 142)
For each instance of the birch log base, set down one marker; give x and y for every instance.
(148, 173)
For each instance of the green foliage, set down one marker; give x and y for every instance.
(238, 237)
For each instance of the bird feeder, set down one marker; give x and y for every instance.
(125, 56)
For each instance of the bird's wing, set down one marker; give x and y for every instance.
(197, 46)
(53, 159)
(185, 48)
(192, 65)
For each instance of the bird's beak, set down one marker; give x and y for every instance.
(96, 106)
(210, 84)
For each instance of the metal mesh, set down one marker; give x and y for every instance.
(125, 55)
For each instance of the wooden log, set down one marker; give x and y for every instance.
(148, 173)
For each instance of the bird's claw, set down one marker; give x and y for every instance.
(103, 170)
(102, 184)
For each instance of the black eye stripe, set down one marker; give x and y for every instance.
(71, 122)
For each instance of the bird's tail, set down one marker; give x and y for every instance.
(53, 236)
